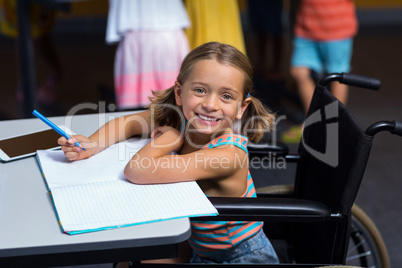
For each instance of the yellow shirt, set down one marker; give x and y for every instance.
(214, 20)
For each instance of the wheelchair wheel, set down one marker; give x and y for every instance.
(366, 246)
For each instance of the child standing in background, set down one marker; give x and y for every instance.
(151, 46)
(200, 118)
(323, 43)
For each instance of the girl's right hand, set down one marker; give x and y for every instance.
(73, 152)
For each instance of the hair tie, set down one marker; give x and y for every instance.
(248, 95)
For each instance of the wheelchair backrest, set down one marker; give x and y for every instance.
(334, 151)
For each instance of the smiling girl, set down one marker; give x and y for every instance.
(206, 118)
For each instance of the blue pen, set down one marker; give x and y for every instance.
(54, 127)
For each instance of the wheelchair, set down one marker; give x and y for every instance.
(366, 247)
(314, 222)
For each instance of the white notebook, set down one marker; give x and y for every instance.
(93, 194)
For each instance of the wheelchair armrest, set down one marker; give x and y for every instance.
(264, 149)
(269, 209)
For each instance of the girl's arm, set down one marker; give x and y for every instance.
(114, 131)
(153, 163)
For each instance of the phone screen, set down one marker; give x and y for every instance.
(29, 143)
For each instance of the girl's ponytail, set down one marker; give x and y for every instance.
(164, 110)
(256, 120)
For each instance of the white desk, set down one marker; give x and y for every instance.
(30, 234)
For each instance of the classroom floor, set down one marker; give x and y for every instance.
(88, 77)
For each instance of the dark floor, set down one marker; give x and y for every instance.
(88, 73)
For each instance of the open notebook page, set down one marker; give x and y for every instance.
(107, 165)
(93, 194)
(112, 204)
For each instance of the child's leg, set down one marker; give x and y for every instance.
(305, 58)
(305, 85)
(337, 55)
(340, 91)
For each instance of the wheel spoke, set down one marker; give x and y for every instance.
(355, 248)
(364, 254)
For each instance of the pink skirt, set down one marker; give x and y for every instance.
(146, 61)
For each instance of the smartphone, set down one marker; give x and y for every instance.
(25, 145)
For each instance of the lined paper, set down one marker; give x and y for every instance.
(93, 194)
(121, 203)
(107, 165)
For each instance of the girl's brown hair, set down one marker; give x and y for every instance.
(256, 119)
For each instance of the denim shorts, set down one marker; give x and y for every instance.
(256, 249)
(322, 56)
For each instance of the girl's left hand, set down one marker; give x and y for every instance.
(161, 130)
(170, 136)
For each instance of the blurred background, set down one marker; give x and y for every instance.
(87, 62)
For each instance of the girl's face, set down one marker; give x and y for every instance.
(212, 96)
